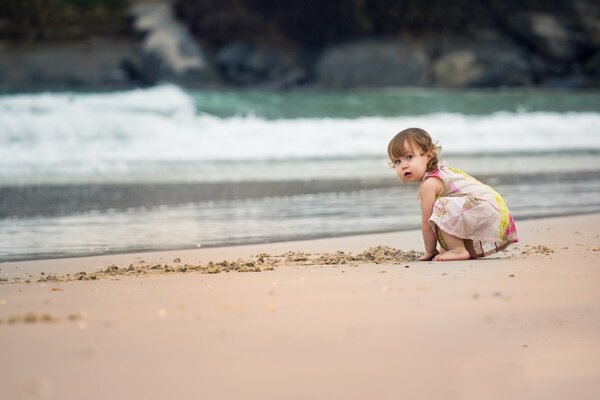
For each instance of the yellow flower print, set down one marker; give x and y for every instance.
(439, 207)
(470, 202)
(464, 174)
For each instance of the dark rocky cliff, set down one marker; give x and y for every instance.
(281, 44)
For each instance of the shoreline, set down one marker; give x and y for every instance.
(521, 324)
(142, 251)
(410, 236)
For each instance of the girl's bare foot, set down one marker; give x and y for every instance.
(428, 256)
(453, 254)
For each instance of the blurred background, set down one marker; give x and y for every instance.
(66, 44)
(147, 125)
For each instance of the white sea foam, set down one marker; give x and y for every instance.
(164, 100)
(109, 132)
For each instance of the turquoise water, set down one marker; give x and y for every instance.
(164, 167)
(390, 103)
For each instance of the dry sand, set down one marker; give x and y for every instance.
(524, 324)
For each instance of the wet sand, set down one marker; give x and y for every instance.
(522, 324)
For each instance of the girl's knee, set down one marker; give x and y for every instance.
(448, 241)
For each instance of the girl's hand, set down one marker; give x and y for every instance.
(428, 256)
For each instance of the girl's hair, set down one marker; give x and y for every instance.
(415, 137)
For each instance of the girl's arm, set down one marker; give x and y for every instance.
(430, 189)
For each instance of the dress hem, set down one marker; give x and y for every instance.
(497, 248)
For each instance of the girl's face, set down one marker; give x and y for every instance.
(412, 166)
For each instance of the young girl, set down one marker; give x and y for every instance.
(468, 218)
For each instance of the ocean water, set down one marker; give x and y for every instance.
(167, 168)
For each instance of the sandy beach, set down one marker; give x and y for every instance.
(524, 324)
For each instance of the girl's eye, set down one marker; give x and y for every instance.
(408, 158)
(397, 162)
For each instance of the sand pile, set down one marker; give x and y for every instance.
(258, 263)
(33, 318)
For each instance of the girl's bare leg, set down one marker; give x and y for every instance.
(456, 249)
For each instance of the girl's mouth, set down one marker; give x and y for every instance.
(407, 174)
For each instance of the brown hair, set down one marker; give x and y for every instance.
(415, 137)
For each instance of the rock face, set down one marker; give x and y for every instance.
(277, 45)
(457, 68)
(588, 14)
(244, 64)
(168, 52)
(373, 63)
(99, 63)
(491, 62)
(353, 44)
(549, 36)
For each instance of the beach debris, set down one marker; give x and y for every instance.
(74, 317)
(31, 318)
(48, 278)
(258, 263)
(387, 255)
(374, 255)
(34, 318)
(339, 258)
(55, 289)
(296, 257)
(540, 249)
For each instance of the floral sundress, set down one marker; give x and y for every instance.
(472, 210)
